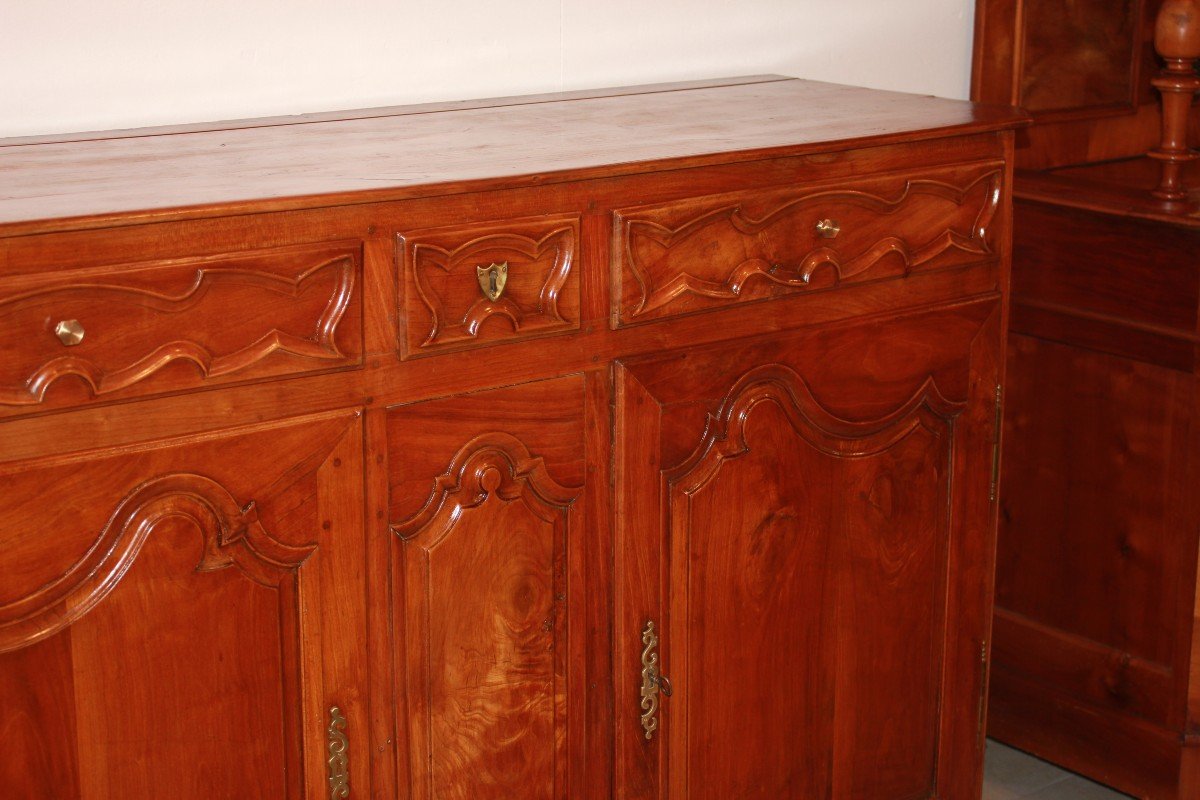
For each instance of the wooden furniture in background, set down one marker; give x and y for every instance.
(626, 444)
(1177, 40)
(1097, 652)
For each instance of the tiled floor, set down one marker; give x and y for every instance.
(1010, 774)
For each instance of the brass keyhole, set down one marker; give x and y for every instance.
(492, 279)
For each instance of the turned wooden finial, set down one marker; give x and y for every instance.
(1177, 39)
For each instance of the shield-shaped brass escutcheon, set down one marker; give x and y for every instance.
(492, 279)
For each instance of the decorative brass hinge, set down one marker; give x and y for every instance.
(997, 422)
(339, 761)
(983, 687)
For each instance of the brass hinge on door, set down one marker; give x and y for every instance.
(983, 687)
(997, 422)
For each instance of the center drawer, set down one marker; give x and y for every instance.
(705, 252)
(484, 283)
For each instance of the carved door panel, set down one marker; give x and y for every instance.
(185, 614)
(486, 509)
(803, 529)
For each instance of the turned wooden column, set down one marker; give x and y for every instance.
(1177, 39)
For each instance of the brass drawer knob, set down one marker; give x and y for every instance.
(828, 228)
(69, 332)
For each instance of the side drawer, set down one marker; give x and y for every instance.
(131, 329)
(706, 252)
(485, 283)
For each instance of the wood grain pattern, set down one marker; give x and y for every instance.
(142, 178)
(1096, 632)
(772, 526)
(487, 649)
(1108, 677)
(1078, 55)
(457, 543)
(1137, 755)
(278, 313)
(231, 532)
(817, 578)
(1095, 584)
(1097, 264)
(1083, 69)
(706, 252)
(444, 305)
(1096, 578)
(189, 611)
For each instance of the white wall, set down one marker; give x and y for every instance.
(74, 65)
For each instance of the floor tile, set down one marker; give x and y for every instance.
(1012, 775)
(1076, 788)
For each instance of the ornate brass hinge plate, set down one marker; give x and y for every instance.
(997, 422)
(983, 687)
(653, 682)
(339, 761)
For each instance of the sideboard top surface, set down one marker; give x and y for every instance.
(128, 177)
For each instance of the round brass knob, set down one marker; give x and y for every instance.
(69, 332)
(828, 228)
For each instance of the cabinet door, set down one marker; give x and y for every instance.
(179, 619)
(803, 547)
(486, 508)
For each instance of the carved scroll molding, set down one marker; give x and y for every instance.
(725, 431)
(494, 463)
(661, 263)
(492, 658)
(538, 267)
(233, 537)
(171, 342)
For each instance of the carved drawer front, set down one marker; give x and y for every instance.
(477, 284)
(706, 252)
(161, 326)
(164, 615)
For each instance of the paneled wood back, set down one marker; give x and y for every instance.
(1082, 68)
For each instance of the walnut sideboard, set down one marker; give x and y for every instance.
(636, 444)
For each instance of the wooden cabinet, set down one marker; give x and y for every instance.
(489, 518)
(1097, 644)
(493, 455)
(183, 613)
(801, 558)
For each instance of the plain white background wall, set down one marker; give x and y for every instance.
(76, 65)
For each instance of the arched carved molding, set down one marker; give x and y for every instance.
(726, 431)
(232, 536)
(101, 379)
(484, 661)
(491, 464)
(914, 245)
(440, 273)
